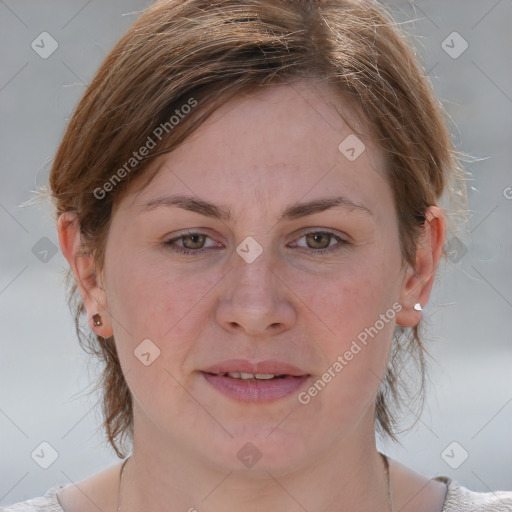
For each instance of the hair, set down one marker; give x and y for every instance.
(202, 53)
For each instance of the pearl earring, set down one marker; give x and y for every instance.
(417, 307)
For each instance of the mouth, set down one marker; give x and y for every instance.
(255, 382)
(251, 376)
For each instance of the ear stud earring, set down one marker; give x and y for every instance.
(417, 307)
(96, 319)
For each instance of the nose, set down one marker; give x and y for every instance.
(255, 300)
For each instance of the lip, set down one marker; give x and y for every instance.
(244, 366)
(255, 392)
(251, 390)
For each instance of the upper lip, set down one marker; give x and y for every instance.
(262, 367)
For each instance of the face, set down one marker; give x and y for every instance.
(260, 247)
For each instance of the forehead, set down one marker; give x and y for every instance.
(287, 139)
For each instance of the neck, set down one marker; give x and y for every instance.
(161, 474)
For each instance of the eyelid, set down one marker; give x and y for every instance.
(334, 236)
(337, 234)
(183, 234)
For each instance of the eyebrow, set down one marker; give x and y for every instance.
(221, 212)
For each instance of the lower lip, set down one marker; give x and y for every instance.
(251, 391)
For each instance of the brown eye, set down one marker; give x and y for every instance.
(319, 240)
(191, 243)
(196, 241)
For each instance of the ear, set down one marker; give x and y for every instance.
(419, 279)
(83, 266)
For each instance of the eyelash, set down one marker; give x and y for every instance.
(315, 252)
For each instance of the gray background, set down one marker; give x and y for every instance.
(44, 374)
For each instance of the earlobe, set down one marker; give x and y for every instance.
(419, 280)
(83, 266)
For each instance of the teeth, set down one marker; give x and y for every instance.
(247, 376)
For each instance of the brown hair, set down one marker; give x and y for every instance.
(208, 51)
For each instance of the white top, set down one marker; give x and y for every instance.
(458, 499)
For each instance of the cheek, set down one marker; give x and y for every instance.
(168, 308)
(350, 297)
(353, 324)
(149, 299)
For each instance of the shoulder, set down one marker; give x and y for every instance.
(46, 503)
(460, 499)
(99, 489)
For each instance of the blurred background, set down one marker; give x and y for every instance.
(50, 51)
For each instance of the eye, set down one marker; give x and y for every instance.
(319, 240)
(322, 242)
(189, 243)
(193, 241)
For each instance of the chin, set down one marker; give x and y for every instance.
(259, 449)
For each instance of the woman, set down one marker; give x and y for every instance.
(247, 196)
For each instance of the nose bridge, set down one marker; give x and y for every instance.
(253, 274)
(253, 297)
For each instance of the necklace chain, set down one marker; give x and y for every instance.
(388, 481)
(386, 466)
(121, 484)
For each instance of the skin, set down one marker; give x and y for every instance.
(257, 155)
